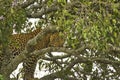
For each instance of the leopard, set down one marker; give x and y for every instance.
(18, 43)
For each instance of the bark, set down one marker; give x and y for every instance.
(27, 3)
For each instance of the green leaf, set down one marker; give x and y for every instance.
(115, 34)
(12, 11)
(1, 77)
(112, 39)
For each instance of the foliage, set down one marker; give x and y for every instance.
(1, 78)
(12, 17)
(93, 24)
(90, 22)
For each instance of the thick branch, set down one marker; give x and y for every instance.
(112, 47)
(42, 12)
(14, 63)
(80, 59)
(105, 61)
(54, 7)
(40, 5)
(27, 3)
(40, 54)
(31, 43)
(59, 74)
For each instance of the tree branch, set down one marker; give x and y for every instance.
(81, 59)
(59, 74)
(14, 63)
(27, 3)
(42, 12)
(48, 30)
(39, 6)
(112, 47)
(54, 7)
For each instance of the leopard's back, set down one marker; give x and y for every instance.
(18, 41)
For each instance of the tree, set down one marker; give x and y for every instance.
(92, 37)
